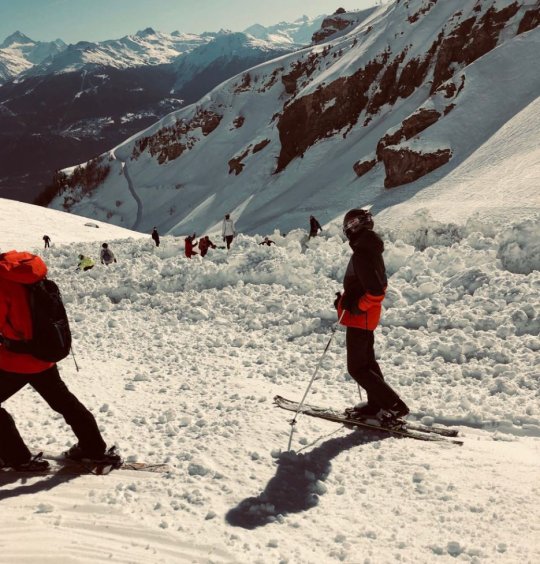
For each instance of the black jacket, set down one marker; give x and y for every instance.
(314, 225)
(366, 271)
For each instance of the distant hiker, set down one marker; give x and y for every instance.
(189, 244)
(314, 227)
(47, 240)
(30, 345)
(228, 231)
(106, 255)
(205, 244)
(155, 236)
(85, 263)
(360, 305)
(267, 241)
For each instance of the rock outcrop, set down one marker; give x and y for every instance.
(469, 41)
(530, 20)
(363, 167)
(324, 112)
(330, 26)
(339, 21)
(260, 146)
(410, 127)
(168, 143)
(236, 165)
(403, 165)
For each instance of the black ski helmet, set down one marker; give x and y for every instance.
(356, 220)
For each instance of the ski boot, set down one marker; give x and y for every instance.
(393, 416)
(363, 411)
(36, 464)
(109, 458)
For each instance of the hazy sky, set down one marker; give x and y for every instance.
(96, 20)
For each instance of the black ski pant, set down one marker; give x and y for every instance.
(52, 389)
(228, 240)
(363, 368)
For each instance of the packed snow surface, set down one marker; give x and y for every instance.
(180, 359)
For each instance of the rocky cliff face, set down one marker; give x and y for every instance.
(338, 23)
(338, 105)
(383, 103)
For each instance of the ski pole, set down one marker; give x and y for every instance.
(74, 360)
(293, 422)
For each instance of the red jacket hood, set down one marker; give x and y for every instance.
(23, 268)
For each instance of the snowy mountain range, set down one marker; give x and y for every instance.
(89, 96)
(19, 53)
(402, 100)
(146, 47)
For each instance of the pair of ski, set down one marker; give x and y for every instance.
(62, 465)
(398, 427)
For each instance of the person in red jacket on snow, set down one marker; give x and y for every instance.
(205, 244)
(359, 309)
(189, 245)
(17, 369)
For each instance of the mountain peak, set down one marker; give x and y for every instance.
(16, 37)
(145, 32)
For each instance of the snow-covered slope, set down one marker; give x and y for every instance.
(219, 57)
(407, 97)
(22, 227)
(98, 94)
(298, 32)
(180, 360)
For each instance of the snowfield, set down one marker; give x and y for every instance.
(180, 359)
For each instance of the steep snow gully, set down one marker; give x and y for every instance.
(133, 192)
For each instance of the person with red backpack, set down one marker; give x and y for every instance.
(34, 335)
(359, 309)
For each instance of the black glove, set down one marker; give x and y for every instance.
(338, 298)
(350, 303)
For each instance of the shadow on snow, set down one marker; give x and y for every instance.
(298, 482)
(28, 485)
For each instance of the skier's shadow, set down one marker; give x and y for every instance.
(297, 484)
(28, 486)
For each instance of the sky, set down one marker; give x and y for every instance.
(97, 20)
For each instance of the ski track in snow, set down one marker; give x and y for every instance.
(133, 192)
(180, 361)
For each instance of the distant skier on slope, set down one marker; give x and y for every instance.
(205, 244)
(314, 227)
(47, 240)
(228, 231)
(85, 263)
(364, 289)
(267, 242)
(19, 275)
(155, 236)
(106, 255)
(189, 245)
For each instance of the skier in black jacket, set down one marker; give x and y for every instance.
(359, 309)
(155, 236)
(314, 227)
